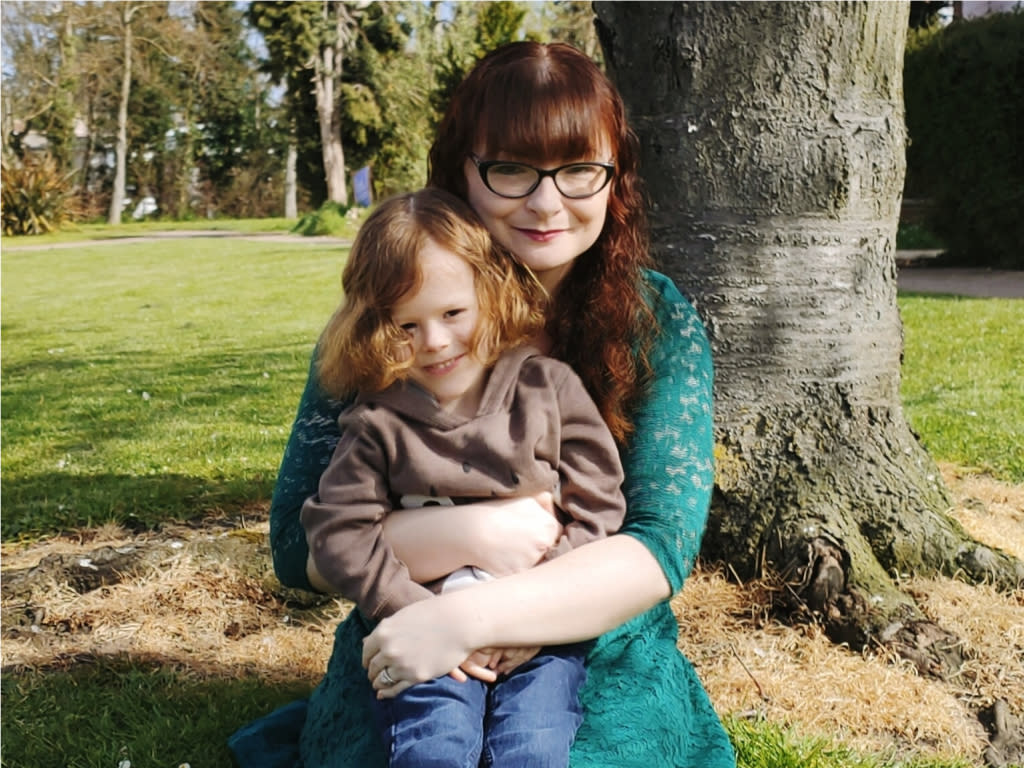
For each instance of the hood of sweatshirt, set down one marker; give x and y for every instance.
(410, 400)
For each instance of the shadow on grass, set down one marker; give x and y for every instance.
(96, 711)
(83, 445)
(38, 503)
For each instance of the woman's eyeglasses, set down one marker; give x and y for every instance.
(575, 180)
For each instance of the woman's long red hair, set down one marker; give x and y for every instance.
(549, 102)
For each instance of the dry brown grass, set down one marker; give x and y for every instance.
(204, 617)
(210, 618)
(754, 666)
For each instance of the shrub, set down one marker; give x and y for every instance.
(964, 104)
(34, 196)
(251, 193)
(330, 219)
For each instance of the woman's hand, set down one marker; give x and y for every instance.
(426, 642)
(519, 532)
(576, 596)
(500, 536)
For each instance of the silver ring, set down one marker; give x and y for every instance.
(386, 678)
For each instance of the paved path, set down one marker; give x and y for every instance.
(912, 277)
(182, 234)
(986, 283)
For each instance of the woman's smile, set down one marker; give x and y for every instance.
(545, 230)
(541, 236)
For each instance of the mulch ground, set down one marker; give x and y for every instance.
(204, 599)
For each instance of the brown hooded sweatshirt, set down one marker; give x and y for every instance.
(536, 430)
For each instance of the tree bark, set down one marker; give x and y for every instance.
(291, 197)
(121, 148)
(773, 149)
(327, 72)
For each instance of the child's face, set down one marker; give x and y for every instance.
(440, 318)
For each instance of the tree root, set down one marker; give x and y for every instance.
(1006, 736)
(817, 587)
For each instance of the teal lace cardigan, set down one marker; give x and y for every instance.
(644, 705)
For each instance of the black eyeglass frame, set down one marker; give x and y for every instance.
(482, 166)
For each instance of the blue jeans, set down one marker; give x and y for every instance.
(527, 719)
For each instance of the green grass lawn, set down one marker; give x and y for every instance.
(100, 713)
(150, 382)
(962, 380)
(146, 382)
(97, 714)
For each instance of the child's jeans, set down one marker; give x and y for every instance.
(527, 719)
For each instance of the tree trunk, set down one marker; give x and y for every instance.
(185, 167)
(291, 197)
(121, 149)
(773, 149)
(327, 87)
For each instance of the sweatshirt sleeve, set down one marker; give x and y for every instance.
(343, 528)
(589, 469)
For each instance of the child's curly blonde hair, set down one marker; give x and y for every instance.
(362, 349)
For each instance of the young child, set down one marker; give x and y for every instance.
(454, 406)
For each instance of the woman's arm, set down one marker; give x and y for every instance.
(577, 596)
(669, 464)
(502, 536)
(314, 434)
(669, 477)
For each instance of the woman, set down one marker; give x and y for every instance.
(518, 130)
(433, 334)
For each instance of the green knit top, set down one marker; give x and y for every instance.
(644, 705)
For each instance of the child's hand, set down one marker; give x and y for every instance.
(487, 664)
(479, 665)
(510, 658)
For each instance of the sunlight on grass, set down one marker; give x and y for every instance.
(962, 387)
(768, 745)
(102, 711)
(102, 231)
(155, 381)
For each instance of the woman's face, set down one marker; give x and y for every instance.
(545, 230)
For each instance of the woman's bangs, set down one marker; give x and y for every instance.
(545, 127)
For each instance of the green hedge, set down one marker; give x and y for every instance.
(964, 94)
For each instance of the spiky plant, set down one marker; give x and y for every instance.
(34, 196)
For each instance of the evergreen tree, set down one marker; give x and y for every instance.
(475, 29)
(370, 87)
(308, 46)
(241, 137)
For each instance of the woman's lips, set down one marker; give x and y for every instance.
(540, 236)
